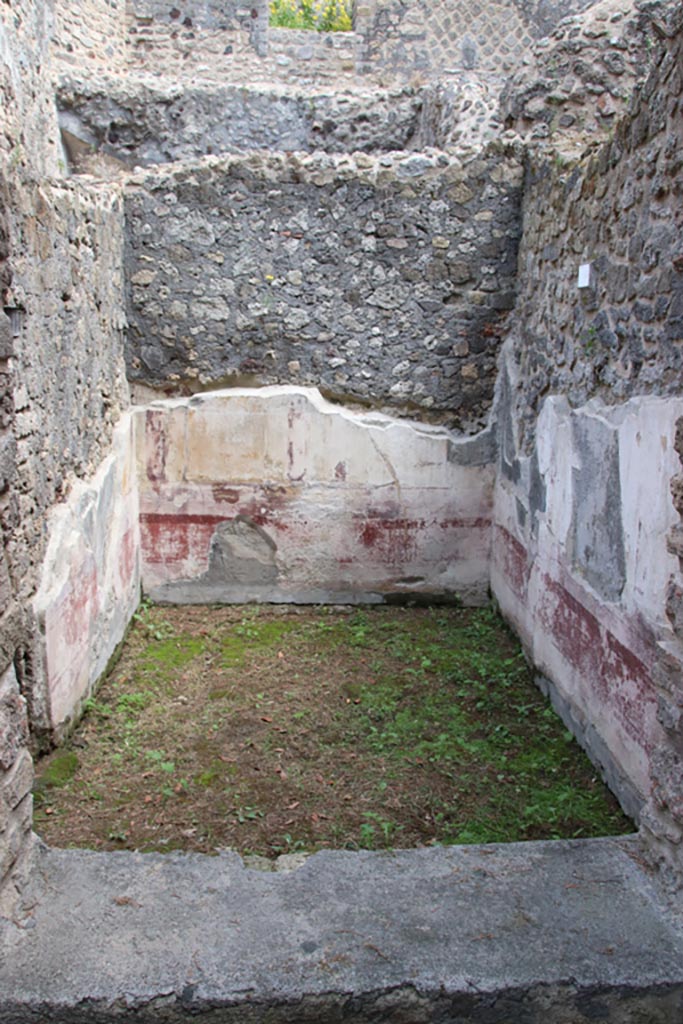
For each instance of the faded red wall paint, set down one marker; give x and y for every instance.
(169, 539)
(616, 675)
(395, 540)
(77, 610)
(127, 556)
(512, 561)
(156, 444)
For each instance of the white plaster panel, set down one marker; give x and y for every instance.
(90, 578)
(356, 504)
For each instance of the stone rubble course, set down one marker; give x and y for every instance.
(129, 121)
(381, 278)
(580, 80)
(532, 932)
(148, 122)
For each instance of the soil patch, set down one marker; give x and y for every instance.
(277, 729)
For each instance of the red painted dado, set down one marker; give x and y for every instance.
(512, 561)
(171, 538)
(399, 540)
(616, 675)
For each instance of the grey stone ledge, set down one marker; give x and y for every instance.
(534, 932)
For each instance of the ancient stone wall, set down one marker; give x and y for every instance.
(590, 396)
(91, 31)
(154, 122)
(618, 212)
(29, 136)
(581, 79)
(325, 54)
(61, 373)
(163, 29)
(151, 121)
(452, 35)
(28, 148)
(382, 279)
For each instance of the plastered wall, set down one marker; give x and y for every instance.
(276, 495)
(584, 556)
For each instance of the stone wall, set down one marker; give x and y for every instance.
(163, 28)
(91, 31)
(381, 279)
(584, 559)
(158, 122)
(144, 122)
(452, 35)
(61, 374)
(618, 211)
(28, 149)
(327, 55)
(580, 80)
(275, 495)
(29, 136)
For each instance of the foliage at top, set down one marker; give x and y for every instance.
(316, 15)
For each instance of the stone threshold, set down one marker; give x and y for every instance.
(564, 931)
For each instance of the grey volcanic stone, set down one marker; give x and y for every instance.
(487, 934)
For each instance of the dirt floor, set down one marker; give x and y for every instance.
(278, 729)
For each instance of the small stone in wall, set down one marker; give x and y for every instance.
(143, 277)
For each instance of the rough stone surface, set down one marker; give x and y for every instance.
(141, 122)
(238, 24)
(90, 31)
(618, 210)
(452, 35)
(464, 934)
(581, 79)
(385, 279)
(275, 495)
(62, 384)
(68, 284)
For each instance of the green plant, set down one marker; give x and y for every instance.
(315, 15)
(374, 827)
(245, 814)
(149, 619)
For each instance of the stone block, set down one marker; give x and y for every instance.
(13, 720)
(16, 784)
(6, 342)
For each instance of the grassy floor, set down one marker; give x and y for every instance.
(276, 729)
